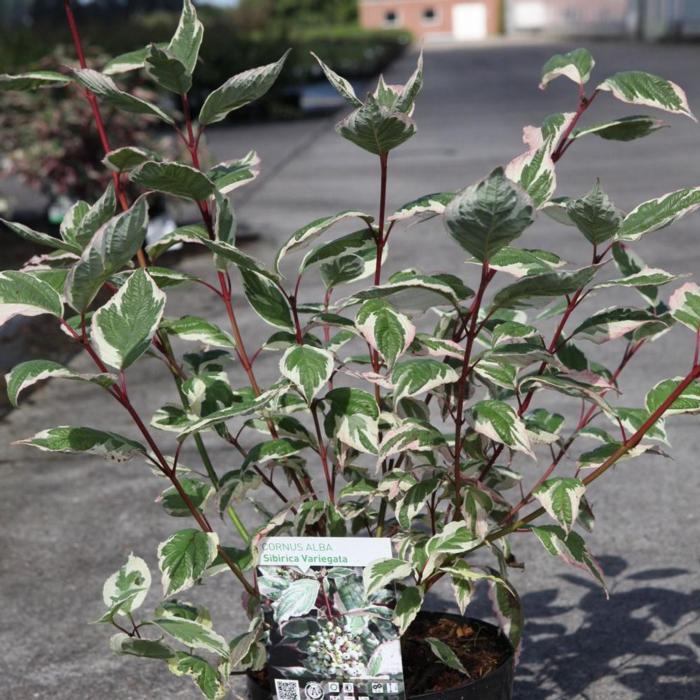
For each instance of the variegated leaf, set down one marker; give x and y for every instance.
(640, 88)
(184, 557)
(353, 418)
(521, 262)
(123, 328)
(125, 590)
(446, 655)
(186, 41)
(575, 65)
(414, 377)
(407, 607)
(622, 129)
(382, 572)
(411, 434)
(498, 421)
(196, 329)
(658, 213)
(687, 402)
(308, 368)
(387, 331)
(487, 216)
(33, 80)
(193, 634)
(267, 299)
(685, 305)
(613, 323)
(561, 498)
(429, 204)
(232, 174)
(595, 216)
(342, 85)
(173, 178)
(22, 294)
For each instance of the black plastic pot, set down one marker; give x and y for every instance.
(497, 685)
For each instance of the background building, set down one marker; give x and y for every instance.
(435, 19)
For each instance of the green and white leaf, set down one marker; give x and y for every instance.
(408, 605)
(297, 599)
(387, 331)
(207, 678)
(183, 234)
(414, 500)
(77, 440)
(575, 65)
(104, 87)
(446, 655)
(38, 238)
(498, 421)
(121, 160)
(29, 373)
(640, 88)
(198, 330)
(187, 40)
(167, 70)
(33, 80)
(658, 213)
(342, 85)
(411, 434)
(353, 418)
(122, 329)
(613, 323)
(197, 491)
(22, 294)
(240, 90)
(487, 216)
(193, 634)
(184, 557)
(595, 216)
(122, 643)
(414, 377)
(685, 305)
(687, 402)
(645, 277)
(380, 573)
(232, 174)
(429, 204)
(622, 129)
(303, 236)
(521, 262)
(173, 178)
(125, 590)
(561, 498)
(308, 368)
(267, 300)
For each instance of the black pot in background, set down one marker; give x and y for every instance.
(497, 685)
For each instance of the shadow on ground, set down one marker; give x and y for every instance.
(634, 638)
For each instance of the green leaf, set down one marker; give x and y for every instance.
(640, 88)
(353, 418)
(129, 61)
(561, 498)
(501, 374)
(685, 305)
(548, 284)
(104, 87)
(303, 236)
(125, 590)
(571, 548)
(576, 65)
(687, 402)
(173, 178)
(33, 80)
(29, 373)
(568, 385)
(427, 204)
(414, 377)
(340, 84)
(622, 129)
(379, 574)
(454, 538)
(122, 643)
(633, 419)
(508, 608)
(89, 220)
(658, 213)
(123, 328)
(207, 678)
(308, 368)
(267, 300)
(229, 252)
(595, 216)
(186, 41)
(193, 634)
(376, 128)
(273, 450)
(74, 440)
(111, 248)
(234, 485)
(446, 655)
(414, 500)
(121, 160)
(489, 215)
(647, 278)
(38, 238)
(198, 492)
(297, 599)
(184, 557)
(408, 606)
(499, 422)
(167, 70)
(232, 174)
(197, 329)
(388, 332)
(22, 294)
(239, 91)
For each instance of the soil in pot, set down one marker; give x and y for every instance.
(483, 650)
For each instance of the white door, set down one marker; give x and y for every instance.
(469, 21)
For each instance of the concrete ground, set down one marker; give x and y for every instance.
(66, 524)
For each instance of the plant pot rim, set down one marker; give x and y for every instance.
(508, 660)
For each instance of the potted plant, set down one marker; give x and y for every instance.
(406, 406)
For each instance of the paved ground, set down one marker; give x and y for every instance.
(68, 523)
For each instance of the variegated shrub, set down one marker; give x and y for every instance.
(383, 420)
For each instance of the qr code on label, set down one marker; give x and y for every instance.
(287, 690)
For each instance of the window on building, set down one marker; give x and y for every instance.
(430, 15)
(391, 18)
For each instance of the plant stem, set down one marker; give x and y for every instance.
(384, 169)
(461, 384)
(323, 453)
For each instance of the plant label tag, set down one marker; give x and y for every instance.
(327, 639)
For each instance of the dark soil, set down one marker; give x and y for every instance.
(480, 648)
